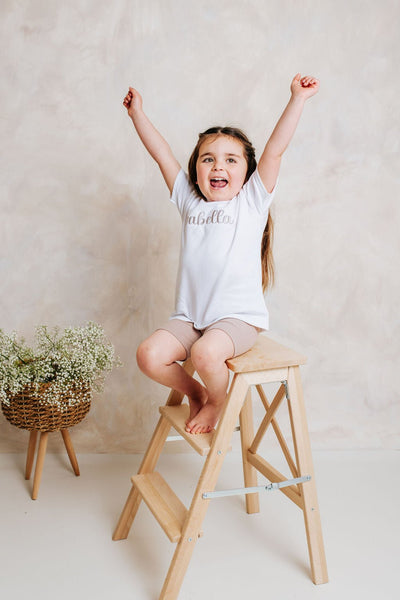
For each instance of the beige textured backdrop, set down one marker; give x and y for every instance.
(87, 231)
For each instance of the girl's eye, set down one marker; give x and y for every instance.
(231, 160)
(207, 159)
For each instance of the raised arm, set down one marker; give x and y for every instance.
(270, 161)
(152, 139)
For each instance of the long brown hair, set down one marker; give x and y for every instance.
(267, 260)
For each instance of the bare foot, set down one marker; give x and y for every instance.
(206, 418)
(196, 403)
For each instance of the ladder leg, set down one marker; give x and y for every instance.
(207, 482)
(70, 451)
(247, 436)
(31, 453)
(148, 465)
(302, 447)
(127, 516)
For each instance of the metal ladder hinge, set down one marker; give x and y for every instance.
(286, 389)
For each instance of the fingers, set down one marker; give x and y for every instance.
(128, 98)
(133, 99)
(306, 80)
(305, 86)
(309, 81)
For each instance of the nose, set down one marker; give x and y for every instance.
(217, 165)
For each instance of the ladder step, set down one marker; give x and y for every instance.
(163, 503)
(177, 416)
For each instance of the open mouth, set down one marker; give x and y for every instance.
(218, 182)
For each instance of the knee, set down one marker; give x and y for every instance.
(206, 358)
(148, 357)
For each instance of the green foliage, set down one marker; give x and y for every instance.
(75, 357)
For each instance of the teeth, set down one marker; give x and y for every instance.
(218, 179)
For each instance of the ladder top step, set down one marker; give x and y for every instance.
(177, 416)
(163, 503)
(265, 354)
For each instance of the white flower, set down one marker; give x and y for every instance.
(75, 360)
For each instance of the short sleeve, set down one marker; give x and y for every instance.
(181, 191)
(257, 194)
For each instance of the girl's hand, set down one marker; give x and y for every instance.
(304, 87)
(133, 101)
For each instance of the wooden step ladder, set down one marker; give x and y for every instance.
(266, 362)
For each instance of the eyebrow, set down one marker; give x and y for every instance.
(226, 154)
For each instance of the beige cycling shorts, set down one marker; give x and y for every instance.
(242, 334)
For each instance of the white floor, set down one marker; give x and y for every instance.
(60, 547)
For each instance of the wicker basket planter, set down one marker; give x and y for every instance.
(48, 387)
(30, 409)
(27, 410)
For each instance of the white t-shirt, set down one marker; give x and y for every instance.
(219, 273)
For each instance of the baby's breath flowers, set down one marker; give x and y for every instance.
(77, 358)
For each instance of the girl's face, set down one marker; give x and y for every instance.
(221, 168)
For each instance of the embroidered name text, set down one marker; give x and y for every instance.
(215, 216)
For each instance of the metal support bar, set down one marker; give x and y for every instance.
(259, 488)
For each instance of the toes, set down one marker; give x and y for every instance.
(190, 426)
(197, 428)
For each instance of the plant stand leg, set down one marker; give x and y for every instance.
(31, 453)
(70, 450)
(39, 463)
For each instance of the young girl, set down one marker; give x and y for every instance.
(226, 259)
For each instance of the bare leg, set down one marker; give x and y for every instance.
(157, 357)
(208, 355)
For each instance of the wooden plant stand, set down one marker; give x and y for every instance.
(41, 453)
(266, 362)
